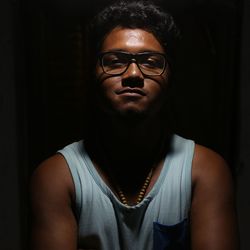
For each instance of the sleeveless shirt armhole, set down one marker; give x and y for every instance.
(189, 159)
(69, 154)
(186, 149)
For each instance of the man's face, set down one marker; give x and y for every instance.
(132, 92)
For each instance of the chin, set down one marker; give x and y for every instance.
(131, 113)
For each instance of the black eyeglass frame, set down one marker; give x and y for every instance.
(133, 59)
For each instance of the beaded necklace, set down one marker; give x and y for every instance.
(142, 192)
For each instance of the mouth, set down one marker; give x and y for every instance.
(131, 92)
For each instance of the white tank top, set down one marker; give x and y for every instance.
(160, 221)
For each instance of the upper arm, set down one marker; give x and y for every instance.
(213, 215)
(54, 225)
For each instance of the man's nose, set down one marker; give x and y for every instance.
(133, 76)
(133, 70)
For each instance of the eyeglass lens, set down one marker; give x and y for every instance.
(117, 62)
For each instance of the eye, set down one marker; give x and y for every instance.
(113, 60)
(152, 61)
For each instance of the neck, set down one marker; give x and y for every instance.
(127, 149)
(132, 135)
(128, 140)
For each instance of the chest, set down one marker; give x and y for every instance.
(105, 223)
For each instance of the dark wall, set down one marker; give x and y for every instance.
(243, 173)
(10, 233)
(41, 85)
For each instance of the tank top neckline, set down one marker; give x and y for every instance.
(107, 190)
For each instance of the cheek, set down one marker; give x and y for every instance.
(158, 84)
(165, 81)
(108, 85)
(98, 71)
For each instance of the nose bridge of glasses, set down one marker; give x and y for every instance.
(133, 66)
(133, 63)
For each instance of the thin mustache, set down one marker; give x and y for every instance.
(130, 90)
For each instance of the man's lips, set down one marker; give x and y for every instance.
(132, 91)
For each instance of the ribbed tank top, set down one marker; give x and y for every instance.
(158, 222)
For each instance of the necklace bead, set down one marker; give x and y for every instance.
(141, 193)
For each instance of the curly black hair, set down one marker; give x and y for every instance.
(133, 14)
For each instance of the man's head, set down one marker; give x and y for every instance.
(130, 48)
(133, 14)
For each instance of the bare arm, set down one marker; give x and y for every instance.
(53, 223)
(213, 215)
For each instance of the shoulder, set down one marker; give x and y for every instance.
(208, 165)
(211, 175)
(52, 177)
(213, 212)
(54, 224)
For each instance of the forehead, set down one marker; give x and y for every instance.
(131, 40)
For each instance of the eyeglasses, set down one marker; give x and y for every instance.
(117, 62)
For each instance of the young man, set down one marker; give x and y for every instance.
(131, 183)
